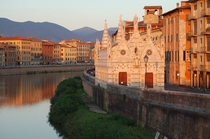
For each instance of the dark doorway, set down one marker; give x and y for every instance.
(123, 78)
(149, 80)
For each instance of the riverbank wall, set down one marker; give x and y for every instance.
(167, 114)
(42, 69)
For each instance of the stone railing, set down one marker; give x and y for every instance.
(131, 92)
(195, 100)
(87, 77)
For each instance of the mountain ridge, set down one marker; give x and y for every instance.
(49, 31)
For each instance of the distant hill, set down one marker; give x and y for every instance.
(97, 35)
(84, 31)
(48, 31)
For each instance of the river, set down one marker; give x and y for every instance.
(25, 103)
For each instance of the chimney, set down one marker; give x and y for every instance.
(177, 5)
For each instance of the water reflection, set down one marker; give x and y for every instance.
(24, 105)
(29, 89)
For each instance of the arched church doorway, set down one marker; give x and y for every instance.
(123, 78)
(149, 80)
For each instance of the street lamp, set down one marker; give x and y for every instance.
(90, 62)
(156, 64)
(178, 78)
(145, 61)
(86, 65)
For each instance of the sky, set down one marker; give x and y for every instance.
(75, 14)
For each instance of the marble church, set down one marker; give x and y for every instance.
(134, 62)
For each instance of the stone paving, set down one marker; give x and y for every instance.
(185, 89)
(92, 107)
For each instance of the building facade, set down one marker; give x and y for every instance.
(177, 45)
(83, 49)
(68, 54)
(23, 48)
(36, 51)
(200, 43)
(47, 52)
(2, 56)
(130, 61)
(10, 55)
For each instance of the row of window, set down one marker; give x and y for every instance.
(69, 54)
(174, 56)
(36, 49)
(25, 58)
(69, 50)
(69, 59)
(170, 38)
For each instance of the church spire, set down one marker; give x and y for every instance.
(136, 23)
(120, 30)
(149, 28)
(105, 38)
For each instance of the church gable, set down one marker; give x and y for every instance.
(151, 50)
(121, 51)
(134, 62)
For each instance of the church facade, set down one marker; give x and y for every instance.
(136, 62)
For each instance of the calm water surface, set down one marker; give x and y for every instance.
(24, 105)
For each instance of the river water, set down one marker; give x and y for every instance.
(25, 103)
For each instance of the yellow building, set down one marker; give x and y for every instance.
(57, 53)
(23, 48)
(36, 51)
(199, 19)
(68, 54)
(175, 30)
(83, 49)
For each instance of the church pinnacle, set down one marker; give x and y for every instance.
(105, 39)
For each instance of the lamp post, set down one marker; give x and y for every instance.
(178, 78)
(86, 65)
(90, 62)
(145, 61)
(156, 64)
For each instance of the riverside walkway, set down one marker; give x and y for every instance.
(185, 89)
(92, 107)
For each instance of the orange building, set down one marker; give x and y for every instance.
(200, 43)
(7, 55)
(10, 53)
(2, 56)
(51, 52)
(177, 45)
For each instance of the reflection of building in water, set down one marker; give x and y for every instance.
(25, 89)
(49, 87)
(28, 89)
(2, 88)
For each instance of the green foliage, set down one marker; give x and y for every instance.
(71, 118)
(123, 120)
(30, 72)
(66, 101)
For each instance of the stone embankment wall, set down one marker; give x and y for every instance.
(39, 69)
(175, 115)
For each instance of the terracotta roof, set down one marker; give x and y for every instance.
(142, 24)
(152, 7)
(192, 0)
(35, 40)
(19, 38)
(49, 43)
(14, 38)
(173, 10)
